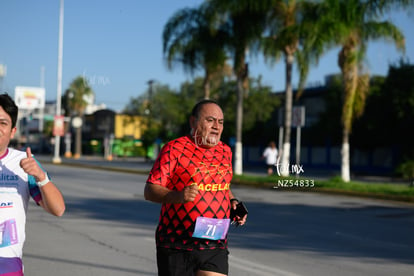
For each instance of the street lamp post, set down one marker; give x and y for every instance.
(56, 158)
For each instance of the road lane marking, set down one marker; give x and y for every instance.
(258, 269)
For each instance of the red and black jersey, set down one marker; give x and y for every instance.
(182, 163)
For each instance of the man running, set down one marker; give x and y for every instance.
(191, 178)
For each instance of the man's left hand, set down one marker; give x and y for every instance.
(30, 166)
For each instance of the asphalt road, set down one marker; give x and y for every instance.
(108, 229)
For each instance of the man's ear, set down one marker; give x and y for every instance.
(13, 131)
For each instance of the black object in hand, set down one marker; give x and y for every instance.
(240, 211)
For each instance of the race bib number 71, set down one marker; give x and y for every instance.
(211, 228)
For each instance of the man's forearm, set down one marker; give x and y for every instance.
(160, 194)
(52, 199)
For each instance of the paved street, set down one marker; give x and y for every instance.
(108, 229)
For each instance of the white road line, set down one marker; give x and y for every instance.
(256, 268)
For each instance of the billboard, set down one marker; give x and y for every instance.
(29, 97)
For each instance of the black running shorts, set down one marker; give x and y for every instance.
(174, 262)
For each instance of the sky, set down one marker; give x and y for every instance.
(117, 46)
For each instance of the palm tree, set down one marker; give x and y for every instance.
(287, 21)
(243, 21)
(77, 97)
(351, 24)
(190, 40)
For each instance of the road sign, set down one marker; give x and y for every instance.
(298, 116)
(59, 126)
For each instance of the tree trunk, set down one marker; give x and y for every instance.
(350, 81)
(284, 168)
(345, 160)
(206, 86)
(78, 146)
(238, 161)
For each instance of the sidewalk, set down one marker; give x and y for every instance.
(127, 164)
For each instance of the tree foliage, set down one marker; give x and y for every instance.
(302, 32)
(390, 112)
(351, 25)
(77, 97)
(190, 40)
(170, 110)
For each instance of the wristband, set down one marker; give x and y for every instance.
(43, 182)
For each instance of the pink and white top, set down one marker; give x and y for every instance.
(16, 188)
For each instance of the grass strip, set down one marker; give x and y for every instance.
(389, 191)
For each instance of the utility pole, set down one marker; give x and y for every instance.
(42, 110)
(56, 158)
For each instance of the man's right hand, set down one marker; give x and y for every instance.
(189, 193)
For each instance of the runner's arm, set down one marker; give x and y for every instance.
(52, 200)
(161, 194)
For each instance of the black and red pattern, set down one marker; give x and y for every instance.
(182, 163)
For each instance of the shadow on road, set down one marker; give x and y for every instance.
(116, 270)
(356, 231)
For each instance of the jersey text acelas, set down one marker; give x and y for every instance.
(213, 187)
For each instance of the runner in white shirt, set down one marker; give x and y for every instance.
(270, 154)
(21, 177)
